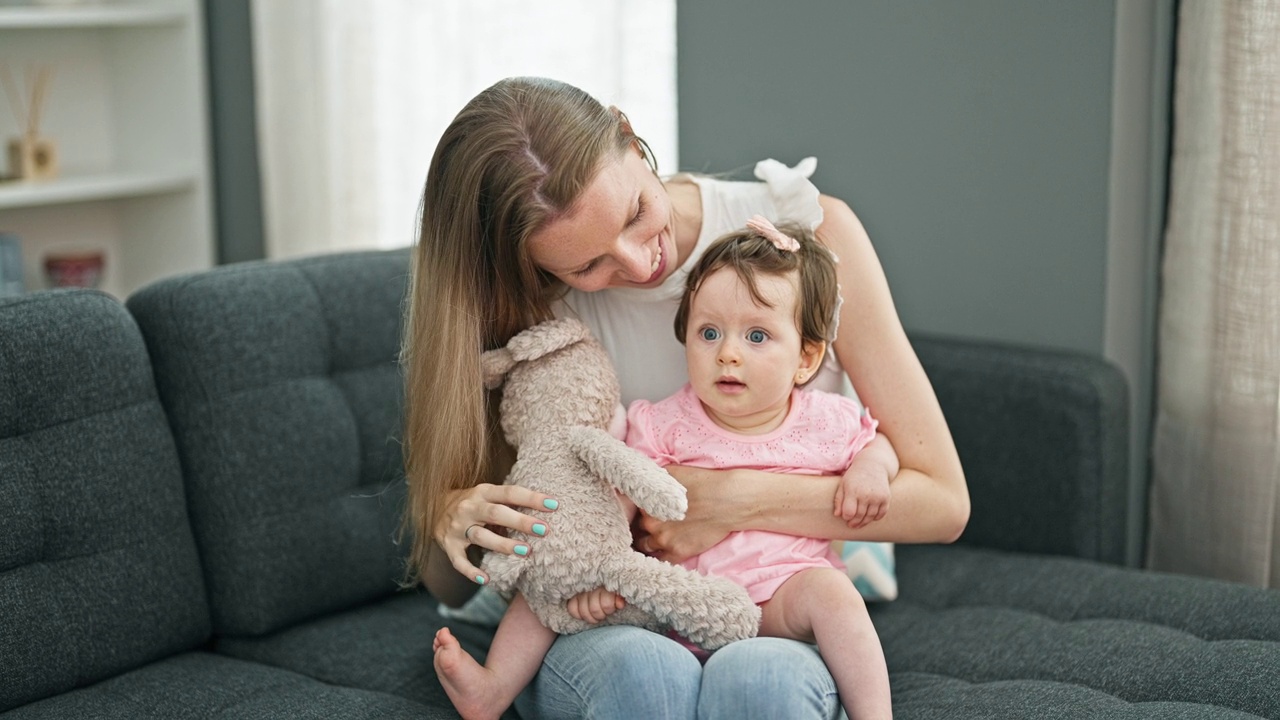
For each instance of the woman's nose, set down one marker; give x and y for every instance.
(635, 263)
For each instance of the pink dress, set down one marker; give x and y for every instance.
(820, 435)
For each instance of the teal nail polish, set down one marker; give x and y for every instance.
(479, 579)
(522, 549)
(539, 529)
(550, 504)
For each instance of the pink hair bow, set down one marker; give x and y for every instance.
(761, 224)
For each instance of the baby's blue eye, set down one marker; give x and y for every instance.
(757, 336)
(710, 334)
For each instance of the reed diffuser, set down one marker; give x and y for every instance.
(31, 155)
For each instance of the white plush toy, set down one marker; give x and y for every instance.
(560, 395)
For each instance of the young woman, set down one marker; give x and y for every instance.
(540, 201)
(757, 313)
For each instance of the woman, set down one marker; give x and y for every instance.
(540, 201)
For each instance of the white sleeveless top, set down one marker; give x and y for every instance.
(636, 326)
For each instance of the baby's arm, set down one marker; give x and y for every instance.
(863, 493)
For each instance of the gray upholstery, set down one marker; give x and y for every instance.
(283, 393)
(1017, 635)
(203, 685)
(203, 525)
(1043, 437)
(98, 570)
(384, 646)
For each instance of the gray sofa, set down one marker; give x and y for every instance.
(199, 495)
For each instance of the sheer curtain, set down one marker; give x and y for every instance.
(352, 96)
(1215, 498)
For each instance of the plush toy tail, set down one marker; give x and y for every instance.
(711, 612)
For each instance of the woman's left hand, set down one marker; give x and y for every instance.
(702, 527)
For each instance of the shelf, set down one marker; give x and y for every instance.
(88, 16)
(88, 188)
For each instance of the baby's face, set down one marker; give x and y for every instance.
(744, 358)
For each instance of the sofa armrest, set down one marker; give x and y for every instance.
(1043, 438)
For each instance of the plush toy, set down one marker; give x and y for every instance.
(560, 396)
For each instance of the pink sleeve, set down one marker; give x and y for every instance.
(861, 426)
(640, 432)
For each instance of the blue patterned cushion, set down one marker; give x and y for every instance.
(870, 566)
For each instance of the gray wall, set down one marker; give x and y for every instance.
(1007, 156)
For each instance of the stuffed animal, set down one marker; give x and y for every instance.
(561, 394)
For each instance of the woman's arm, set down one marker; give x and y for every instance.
(929, 498)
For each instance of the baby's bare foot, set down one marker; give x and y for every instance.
(474, 689)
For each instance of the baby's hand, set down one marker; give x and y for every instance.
(595, 605)
(862, 496)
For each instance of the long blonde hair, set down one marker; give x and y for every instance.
(517, 156)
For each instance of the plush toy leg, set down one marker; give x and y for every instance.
(711, 612)
(503, 570)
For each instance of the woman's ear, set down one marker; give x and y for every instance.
(622, 119)
(625, 122)
(811, 355)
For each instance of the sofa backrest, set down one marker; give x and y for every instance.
(98, 567)
(282, 387)
(1044, 440)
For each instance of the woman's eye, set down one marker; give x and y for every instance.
(641, 206)
(590, 267)
(710, 334)
(757, 336)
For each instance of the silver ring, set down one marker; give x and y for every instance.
(466, 534)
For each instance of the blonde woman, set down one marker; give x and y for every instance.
(541, 202)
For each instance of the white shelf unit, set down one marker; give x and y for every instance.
(127, 110)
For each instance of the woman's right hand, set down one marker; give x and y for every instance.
(482, 516)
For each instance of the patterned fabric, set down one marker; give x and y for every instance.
(871, 567)
(820, 435)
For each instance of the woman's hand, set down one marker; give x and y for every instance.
(481, 516)
(705, 523)
(594, 606)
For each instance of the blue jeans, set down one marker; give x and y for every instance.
(627, 672)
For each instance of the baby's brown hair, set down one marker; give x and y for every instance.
(748, 252)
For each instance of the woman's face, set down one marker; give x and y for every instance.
(618, 234)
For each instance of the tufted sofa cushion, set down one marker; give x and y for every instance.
(281, 384)
(98, 568)
(984, 633)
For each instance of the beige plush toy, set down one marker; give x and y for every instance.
(560, 396)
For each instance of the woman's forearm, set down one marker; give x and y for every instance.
(444, 582)
(921, 509)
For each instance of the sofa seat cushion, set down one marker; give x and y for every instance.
(1006, 634)
(384, 647)
(205, 685)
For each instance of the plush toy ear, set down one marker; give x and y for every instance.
(494, 366)
(547, 337)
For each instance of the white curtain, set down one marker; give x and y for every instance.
(1215, 498)
(353, 95)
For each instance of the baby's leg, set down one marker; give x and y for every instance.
(822, 606)
(514, 658)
